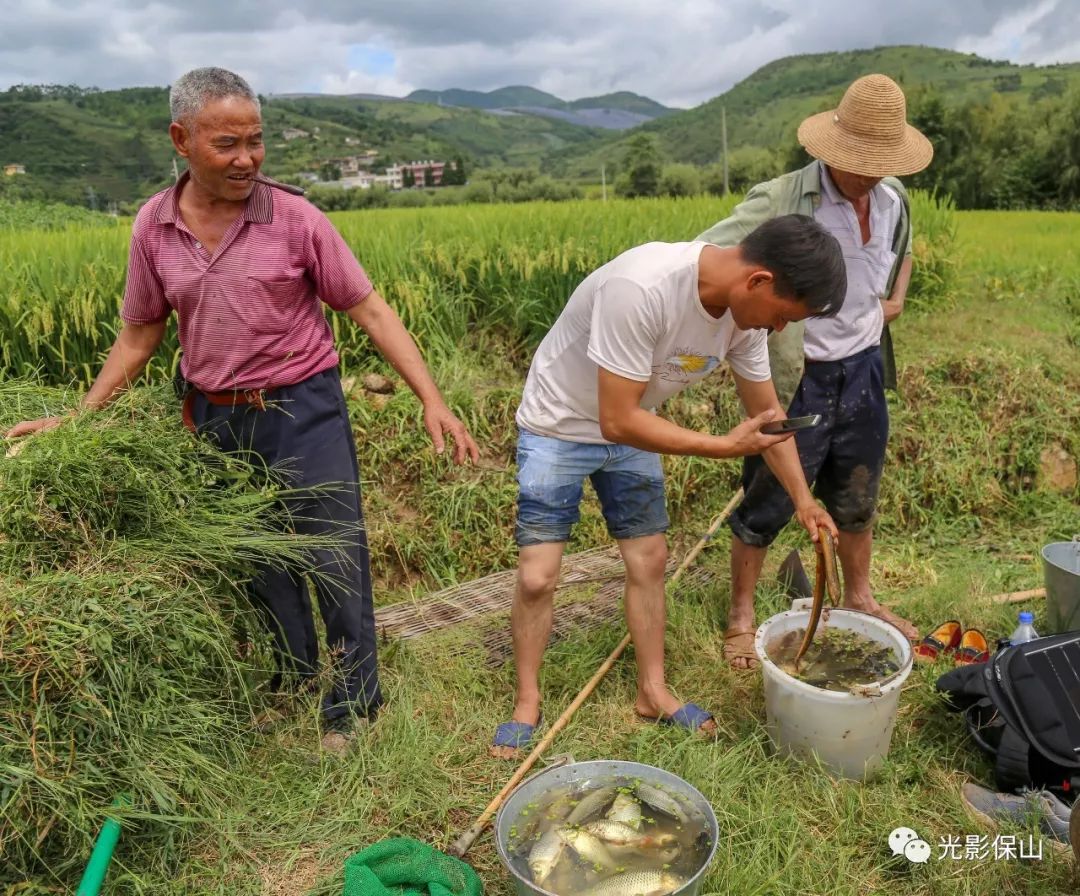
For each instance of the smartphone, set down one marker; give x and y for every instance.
(790, 424)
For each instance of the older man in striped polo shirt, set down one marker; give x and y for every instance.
(246, 264)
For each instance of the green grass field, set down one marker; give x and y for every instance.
(990, 376)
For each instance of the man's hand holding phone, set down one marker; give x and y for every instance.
(790, 424)
(751, 437)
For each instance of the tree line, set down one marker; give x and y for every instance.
(995, 154)
(1014, 150)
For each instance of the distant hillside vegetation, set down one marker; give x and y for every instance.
(529, 98)
(765, 109)
(613, 111)
(96, 148)
(503, 98)
(624, 101)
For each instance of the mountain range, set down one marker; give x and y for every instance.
(81, 144)
(612, 111)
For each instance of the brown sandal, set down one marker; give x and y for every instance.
(739, 645)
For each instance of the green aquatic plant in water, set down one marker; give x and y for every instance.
(837, 659)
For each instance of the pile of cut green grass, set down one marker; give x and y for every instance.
(124, 544)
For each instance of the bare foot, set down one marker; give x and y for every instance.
(872, 607)
(527, 714)
(739, 649)
(342, 734)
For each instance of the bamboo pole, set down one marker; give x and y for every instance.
(466, 840)
(1014, 597)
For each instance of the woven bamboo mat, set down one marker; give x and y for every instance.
(487, 595)
(491, 596)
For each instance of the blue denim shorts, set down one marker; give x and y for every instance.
(551, 477)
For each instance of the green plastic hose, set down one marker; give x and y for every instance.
(98, 866)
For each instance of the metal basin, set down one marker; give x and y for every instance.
(1061, 573)
(599, 773)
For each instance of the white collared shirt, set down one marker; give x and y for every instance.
(858, 325)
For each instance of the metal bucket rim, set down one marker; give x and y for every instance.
(584, 766)
(1061, 548)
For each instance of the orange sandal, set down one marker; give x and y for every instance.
(973, 648)
(943, 639)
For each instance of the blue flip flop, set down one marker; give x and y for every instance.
(516, 735)
(689, 716)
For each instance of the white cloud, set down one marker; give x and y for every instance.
(364, 82)
(680, 53)
(1014, 37)
(130, 46)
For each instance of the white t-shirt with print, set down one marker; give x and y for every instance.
(640, 317)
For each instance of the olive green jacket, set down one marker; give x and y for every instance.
(799, 192)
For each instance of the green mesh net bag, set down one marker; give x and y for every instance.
(406, 867)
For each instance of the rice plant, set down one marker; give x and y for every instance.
(449, 272)
(124, 663)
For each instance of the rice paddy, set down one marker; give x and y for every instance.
(129, 662)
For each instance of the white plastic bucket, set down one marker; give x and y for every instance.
(849, 732)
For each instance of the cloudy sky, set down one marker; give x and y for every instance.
(680, 52)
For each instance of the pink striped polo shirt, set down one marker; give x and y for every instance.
(249, 315)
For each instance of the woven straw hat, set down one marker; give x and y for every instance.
(868, 133)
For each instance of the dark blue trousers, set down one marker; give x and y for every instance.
(305, 436)
(842, 457)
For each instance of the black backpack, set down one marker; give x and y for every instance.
(1023, 710)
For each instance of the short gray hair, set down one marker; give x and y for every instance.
(195, 89)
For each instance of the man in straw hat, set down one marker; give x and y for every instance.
(839, 366)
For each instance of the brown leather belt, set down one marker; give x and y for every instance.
(229, 399)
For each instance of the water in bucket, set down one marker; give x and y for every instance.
(614, 837)
(848, 731)
(836, 659)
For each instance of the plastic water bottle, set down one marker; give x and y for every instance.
(1025, 631)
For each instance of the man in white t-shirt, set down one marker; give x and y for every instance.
(643, 327)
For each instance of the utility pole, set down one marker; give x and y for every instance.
(603, 181)
(175, 172)
(723, 141)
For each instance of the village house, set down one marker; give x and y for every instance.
(10, 170)
(351, 166)
(363, 180)
(355, 173)
(419, 169)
